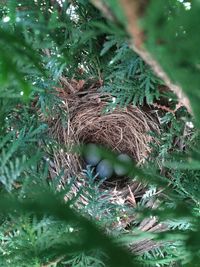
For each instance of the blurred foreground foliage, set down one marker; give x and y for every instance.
(43, 41)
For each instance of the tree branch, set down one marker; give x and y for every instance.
(134, 10)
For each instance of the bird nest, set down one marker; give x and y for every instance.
(90, 120)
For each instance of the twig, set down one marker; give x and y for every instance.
(53, 262)
(164, 108)
(101, 5)
(67, 84)
(131, 198)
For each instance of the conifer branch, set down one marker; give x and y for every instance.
(134, 10)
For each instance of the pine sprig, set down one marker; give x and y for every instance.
(130, 80)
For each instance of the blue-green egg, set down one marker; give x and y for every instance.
(92, 155)
(119, 169)
(104, 169)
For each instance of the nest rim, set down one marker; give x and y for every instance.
(85, 112)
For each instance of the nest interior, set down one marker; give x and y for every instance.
(88, 121)
(121, 130)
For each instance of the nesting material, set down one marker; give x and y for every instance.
(121, 130)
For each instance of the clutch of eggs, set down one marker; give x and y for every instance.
(104, 168)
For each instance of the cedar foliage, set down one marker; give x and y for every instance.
(42, 41)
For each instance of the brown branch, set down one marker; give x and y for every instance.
(183, 99)
(134, 10)
(104, 8)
